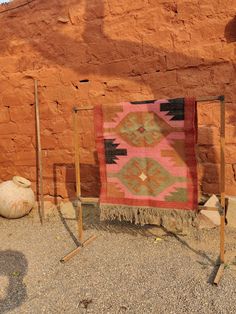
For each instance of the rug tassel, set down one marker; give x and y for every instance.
(145, 216)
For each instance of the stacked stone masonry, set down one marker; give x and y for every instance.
(87, 52)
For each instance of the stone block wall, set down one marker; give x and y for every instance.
(87, 52)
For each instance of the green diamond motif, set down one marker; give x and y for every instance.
(143, 129)
(145, 176)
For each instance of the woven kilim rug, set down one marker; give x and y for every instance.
(146, 152)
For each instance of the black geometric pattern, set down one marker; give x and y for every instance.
(175, 108)
(111, 151)
(142, 102)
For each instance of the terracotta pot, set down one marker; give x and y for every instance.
(16, 198)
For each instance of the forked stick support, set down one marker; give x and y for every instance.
(39, 153)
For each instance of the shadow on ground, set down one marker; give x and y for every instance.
(13, 267)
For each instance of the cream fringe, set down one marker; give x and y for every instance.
(148, 215)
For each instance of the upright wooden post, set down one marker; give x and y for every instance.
(78, 191)
(77, 171)
(222, 179)
(39, 151)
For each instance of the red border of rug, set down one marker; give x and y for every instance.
(190, 128)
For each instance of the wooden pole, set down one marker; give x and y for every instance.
(219, 274)
(222, 180)
(80, 199)
(209, 98)
(77, 172)
(39, 151)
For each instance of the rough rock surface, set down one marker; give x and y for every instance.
(214, 216)
(87, 52)
(231, 212)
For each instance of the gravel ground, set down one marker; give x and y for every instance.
(123, 271)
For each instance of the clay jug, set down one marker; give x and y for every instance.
(16, 198)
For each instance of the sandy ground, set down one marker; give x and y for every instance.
(125, 270)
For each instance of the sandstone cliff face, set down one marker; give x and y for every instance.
(87, 52)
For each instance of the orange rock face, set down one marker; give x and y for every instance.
(88, 52)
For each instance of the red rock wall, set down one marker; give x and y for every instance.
(86, 52)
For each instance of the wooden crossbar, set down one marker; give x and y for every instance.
(199, 99)
(208, 208)
(89, 200)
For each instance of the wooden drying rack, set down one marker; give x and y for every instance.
(221, 210)
(93, 200)
(80, 200)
